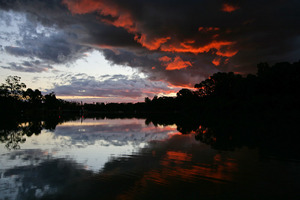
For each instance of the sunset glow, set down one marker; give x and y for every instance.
(86, 45)
(149, 99)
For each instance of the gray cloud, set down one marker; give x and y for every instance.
(49, 45)
(109, 86)
(33, 66)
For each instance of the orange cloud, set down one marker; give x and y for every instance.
(226, 53)
(217, 61)
(178, 87)
(122, 18)
(82, 6)
(229, 8)
(183, 48)
(151, 44)
(187, 44)
(124, 21)
(176, 64)
(165, 59)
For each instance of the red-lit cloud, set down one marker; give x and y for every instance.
(187, 48)
(151, 44)
(229, 8)
(217, 61)
(176, 64)
(165, 59)
(181, 44)
(226, 53)
(83, 6)
(121, 17)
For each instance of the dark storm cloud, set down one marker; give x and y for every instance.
(34, 66)
(150, 64)
(199, 37)
(47, 44)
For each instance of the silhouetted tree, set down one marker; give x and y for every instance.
(206, 87)
(51, 101)
(185, 93)
(221, 84)
(12, 87)
(147, 100)
(34, 97)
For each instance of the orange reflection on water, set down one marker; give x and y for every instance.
(180, 165)
(176, 167)
(178, 156)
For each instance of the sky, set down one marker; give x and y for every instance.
(124, 51)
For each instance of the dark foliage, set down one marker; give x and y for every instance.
(16, 102)
(226, 111)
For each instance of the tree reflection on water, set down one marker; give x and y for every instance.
(222, 133)
(13, 131)
(13, 136)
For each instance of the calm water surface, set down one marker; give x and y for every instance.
(127, 159)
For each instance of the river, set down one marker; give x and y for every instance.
(131, 159)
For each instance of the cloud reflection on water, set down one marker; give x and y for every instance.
(126, 159)
(85, 145)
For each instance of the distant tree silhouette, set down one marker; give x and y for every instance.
(221, 84)
(12, 87)
(185, 93)
(14, 101)
(34, 97)
(147, 100)
(51, 101)
(206, 87)
(263, 69)
(4, 91)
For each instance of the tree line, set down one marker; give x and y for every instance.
(273, 88)
(14, 99)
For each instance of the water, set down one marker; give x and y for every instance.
(128, 159)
